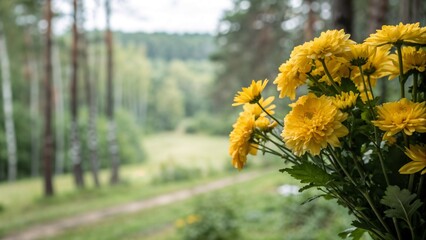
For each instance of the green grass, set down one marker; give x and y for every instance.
(261, 214)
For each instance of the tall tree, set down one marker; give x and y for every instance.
(310, 21)
(48, 148)
(59, 111)
(32, 76)
(377, 11)
(343, 15)
(8, 107)
(75, 140)
(92, 137)
(112, 138)
(412, 11)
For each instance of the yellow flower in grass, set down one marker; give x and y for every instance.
(417, 153)
(329, 43)
(392, 34)
(289, 79)
(345, 100)
(412, 59)
(240, 144)
(403, 115)
(257, 111)
(251, 94)
(312, 124)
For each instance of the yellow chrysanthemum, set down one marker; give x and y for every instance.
(392, 34)
(417, 153)
(257, 111)
(192, 218)
(263, 123)
(312, 124)
(412, 59)
(379, 64)
(289, 79)
(239, 139)
(359, 54)
(329, 43)
(345, 100)
(403, 115)
(251, 94)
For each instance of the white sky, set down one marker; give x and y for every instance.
(174, 16)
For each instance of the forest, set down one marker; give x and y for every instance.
(88, 104)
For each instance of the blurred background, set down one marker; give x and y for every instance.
(107, 103)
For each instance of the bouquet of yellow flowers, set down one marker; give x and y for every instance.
(339, 138)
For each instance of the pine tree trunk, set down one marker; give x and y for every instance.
(59, 112)
(31, 74)
(48, 148)
(310, 21)
(343, 15)
(91, 103)
(112, 138)
(75, 140)
(8, 108)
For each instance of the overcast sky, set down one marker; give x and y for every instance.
(176, 16)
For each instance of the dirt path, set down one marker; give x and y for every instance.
(53, 228)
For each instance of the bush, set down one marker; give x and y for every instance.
(171, 172)
(213, 219)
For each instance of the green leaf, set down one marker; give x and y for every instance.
(309, 173)
(401, 203)
(354, 233)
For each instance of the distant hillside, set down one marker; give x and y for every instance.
(171, 46)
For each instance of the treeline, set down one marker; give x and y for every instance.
(168, 46)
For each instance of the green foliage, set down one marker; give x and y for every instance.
(168, 47)
(401, 202)
(352, 233)
(214, 218)
(310, 173)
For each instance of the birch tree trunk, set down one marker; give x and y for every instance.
(92, 136)
(112, 138)
(31, 74)
(8, 108)
(75, 140)
(48, 148)
(59, 112)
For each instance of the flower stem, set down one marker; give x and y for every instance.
(369, 85)
(415, 83)
(329, 76)
(419, 188)
(270, 115)
(401, 70)
(366, 196)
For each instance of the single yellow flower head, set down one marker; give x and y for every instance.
(412, 59)
(417, 153)
(345, 100)
(180, 223)
(240, 139)
(263, 123)
(403, 115)
(257, 111)
(358, 54)
(379, 64)
(312, 124)
(289, 79)
(328, 44)
(392, 34)
(251, 94)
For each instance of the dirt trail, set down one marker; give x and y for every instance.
(53, 228)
